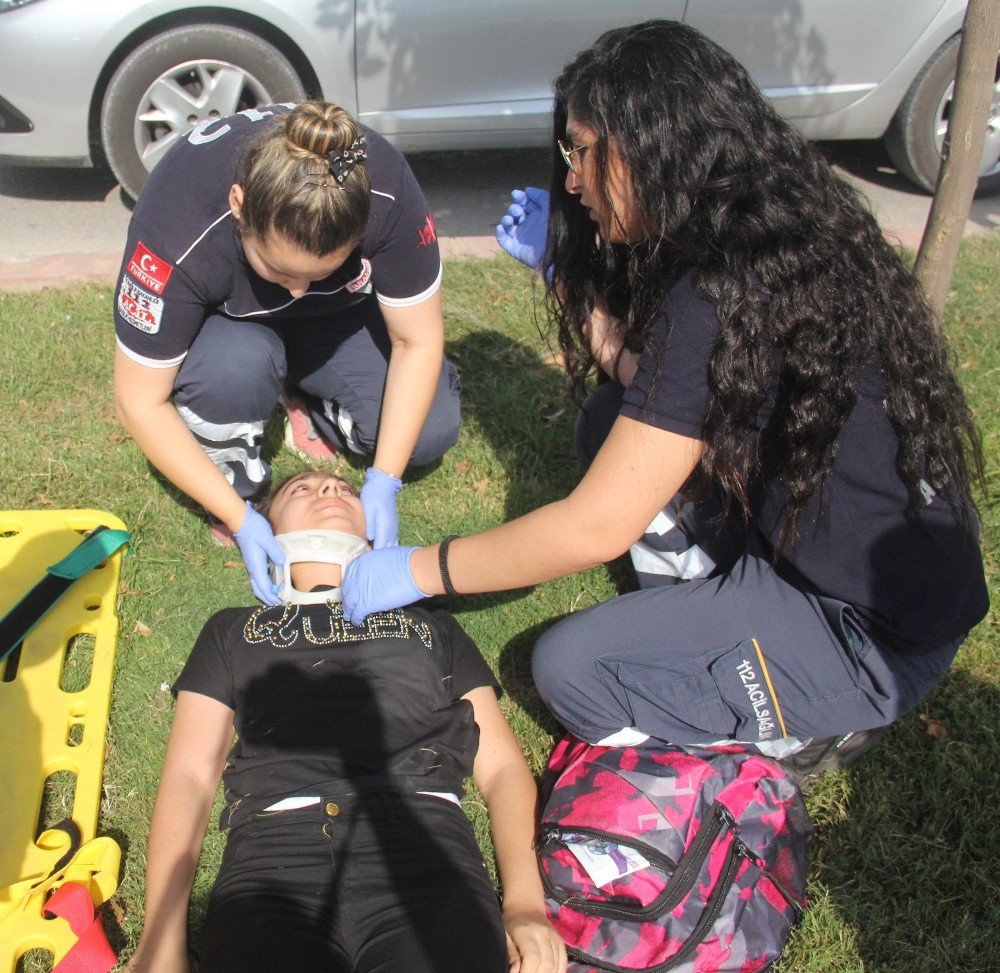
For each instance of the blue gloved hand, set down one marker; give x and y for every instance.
(523, 231)
(379, 581)
(378, 497)
(257, 544)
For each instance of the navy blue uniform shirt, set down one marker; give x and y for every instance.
(184, 257)
(916, 586)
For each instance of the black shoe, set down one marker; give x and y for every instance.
(830, 753)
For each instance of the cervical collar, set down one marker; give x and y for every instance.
(326, 546)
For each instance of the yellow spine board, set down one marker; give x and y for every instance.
(53, 721)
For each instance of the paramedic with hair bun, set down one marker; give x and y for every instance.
(285, 250)
(775, 432)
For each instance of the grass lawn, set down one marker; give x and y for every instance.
(904, 874)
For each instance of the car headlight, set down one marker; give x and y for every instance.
(6, 5)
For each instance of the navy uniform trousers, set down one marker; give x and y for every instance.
(234, 372)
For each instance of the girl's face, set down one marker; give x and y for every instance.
(621, 222)
(317, 501)
(280, 262)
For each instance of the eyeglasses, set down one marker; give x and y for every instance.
(569, 151)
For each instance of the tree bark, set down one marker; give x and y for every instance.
(963, 149)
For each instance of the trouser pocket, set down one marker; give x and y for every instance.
(724, 693)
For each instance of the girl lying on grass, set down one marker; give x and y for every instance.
(347, 848)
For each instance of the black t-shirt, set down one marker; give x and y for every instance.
(319, 702)
(184, 259)
(915, 585)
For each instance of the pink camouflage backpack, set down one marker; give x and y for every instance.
(691, 860)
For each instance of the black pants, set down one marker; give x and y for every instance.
(376, 883)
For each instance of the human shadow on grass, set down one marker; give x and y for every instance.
(514, 672)
(521, 408)
(114, 910)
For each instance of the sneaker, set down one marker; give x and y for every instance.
(830, 753)
(221, 534)
(301, 436)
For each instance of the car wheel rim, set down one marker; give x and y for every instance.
(990, 163)
(186, 96)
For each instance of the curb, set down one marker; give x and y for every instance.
(67, 269)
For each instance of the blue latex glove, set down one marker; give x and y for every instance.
(257, 544)
(379, 581)
(378, 497)
(523, 231)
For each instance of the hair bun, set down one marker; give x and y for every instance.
(320, 129)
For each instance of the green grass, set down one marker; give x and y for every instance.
(904, 866)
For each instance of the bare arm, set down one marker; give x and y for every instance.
(511, 798)
(637, 471)
(143, 406)
(417, 336)
(200, 738)
(607, 347)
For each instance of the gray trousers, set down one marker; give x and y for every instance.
(234, 372)
(750, 653)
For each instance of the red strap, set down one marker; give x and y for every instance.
(92, 952)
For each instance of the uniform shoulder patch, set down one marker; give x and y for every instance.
(149, 269)
(428, 232)
(362, 279)
(138, 307)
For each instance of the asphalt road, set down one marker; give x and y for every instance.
(67, 224)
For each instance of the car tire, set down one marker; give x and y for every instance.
(178, 79)
(914, 137)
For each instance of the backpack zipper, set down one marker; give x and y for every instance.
(648, 851)
(684, 872)
(708, 919)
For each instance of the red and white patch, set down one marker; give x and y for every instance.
(428, 232)
(138, 307)
(362, 279)
(147, 268)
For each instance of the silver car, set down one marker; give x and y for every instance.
(85, 82)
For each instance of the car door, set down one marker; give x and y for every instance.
(475, 73)
(815, 57)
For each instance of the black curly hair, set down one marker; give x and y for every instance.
(807, 289)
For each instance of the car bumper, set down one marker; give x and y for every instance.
(52, 54)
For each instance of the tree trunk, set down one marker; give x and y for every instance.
(963, 149)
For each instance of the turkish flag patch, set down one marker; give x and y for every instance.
(149, 269)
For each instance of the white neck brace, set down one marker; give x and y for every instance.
(325, 546)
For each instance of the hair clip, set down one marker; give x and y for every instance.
(342, 164)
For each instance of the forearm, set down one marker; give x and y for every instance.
(512, 805)
(636, 472)
(608, 348)
(411, 382)
(416, 334)
(546, 543)
(169, 445)
(196, 754)
(180, 818)
(511, 797)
